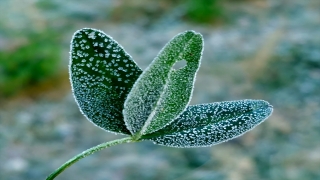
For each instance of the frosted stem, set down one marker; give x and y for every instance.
(87, 153)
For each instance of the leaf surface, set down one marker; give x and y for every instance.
(161, 93)
(210, 124)
(101, 74)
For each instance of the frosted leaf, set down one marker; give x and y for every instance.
(161, 93)
(210, 124)
(99, 89)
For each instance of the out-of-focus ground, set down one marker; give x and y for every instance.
(254, 49)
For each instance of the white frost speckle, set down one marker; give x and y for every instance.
(92, 35)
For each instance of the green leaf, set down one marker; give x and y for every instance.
(161, 93)
(101, 75)
(210, 124)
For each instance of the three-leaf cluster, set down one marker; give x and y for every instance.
(116, 95)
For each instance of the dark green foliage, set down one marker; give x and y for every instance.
(204, 11)
(29, 63)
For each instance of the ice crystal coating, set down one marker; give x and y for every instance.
(209, 124)
(101, 75)
(161, 93)
(114, 94)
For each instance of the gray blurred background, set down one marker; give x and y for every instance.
(254, 49)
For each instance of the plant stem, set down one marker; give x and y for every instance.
(87, 153)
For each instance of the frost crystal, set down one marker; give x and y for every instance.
(210, 124)
(100, 89)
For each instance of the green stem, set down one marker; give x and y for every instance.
(87, 153)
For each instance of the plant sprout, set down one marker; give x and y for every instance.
(117, 96)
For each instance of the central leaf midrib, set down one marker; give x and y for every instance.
(153, 112)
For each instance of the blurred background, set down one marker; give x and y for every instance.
(254, 49)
